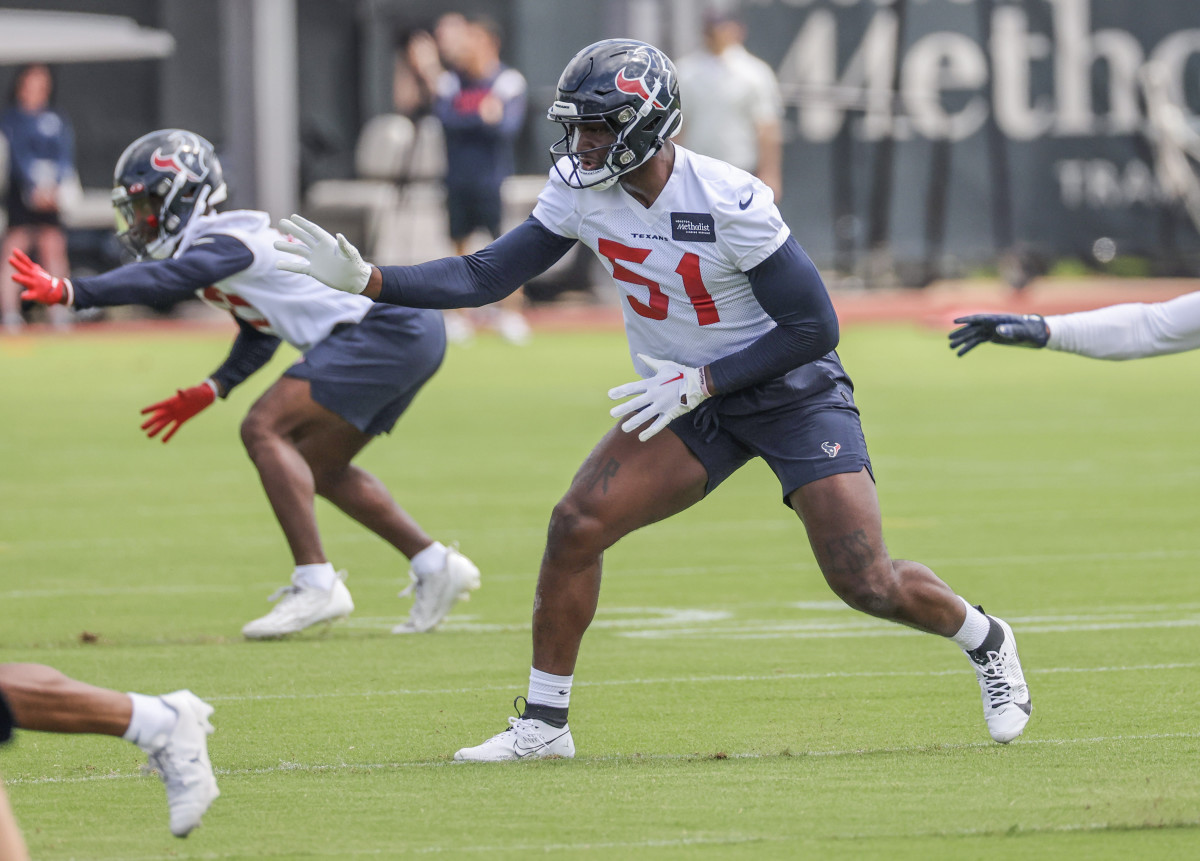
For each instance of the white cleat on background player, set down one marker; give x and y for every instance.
(1006, 701)
(182, 762)
(434, 594)
(301, 607)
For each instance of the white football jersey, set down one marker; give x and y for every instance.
(296, 308)
(680, 264)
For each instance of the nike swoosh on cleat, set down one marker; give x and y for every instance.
(525, 751)
(744, 204)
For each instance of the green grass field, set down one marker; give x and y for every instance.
(726, 705)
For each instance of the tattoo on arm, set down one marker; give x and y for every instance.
(850, 554)
(603, 474)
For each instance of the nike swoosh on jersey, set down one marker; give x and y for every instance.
(746, 202)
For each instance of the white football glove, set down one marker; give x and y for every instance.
(332, 261)
(673, 390)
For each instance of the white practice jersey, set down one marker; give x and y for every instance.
(680, 264)
(296, 308)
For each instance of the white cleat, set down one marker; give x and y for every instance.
(301, 607)
(436, 593)
(525, 738)
(182, 762)
(1006, 701)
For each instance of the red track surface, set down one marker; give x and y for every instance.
(935, 306)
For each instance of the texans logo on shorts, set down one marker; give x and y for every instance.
(831, 448)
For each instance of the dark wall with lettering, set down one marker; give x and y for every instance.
(1008, 125)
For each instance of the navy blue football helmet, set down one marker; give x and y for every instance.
(161, 181)
(632, 88)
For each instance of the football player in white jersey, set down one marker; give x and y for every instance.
(733, 334)
(360, 370)
(1133, 330)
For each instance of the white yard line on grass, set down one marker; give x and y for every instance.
(690, 680)
(285, 767)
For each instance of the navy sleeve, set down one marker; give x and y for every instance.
(789, 288)
(476, 279)
(251, 350)
(159, 282)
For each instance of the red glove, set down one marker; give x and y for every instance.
(177, 410)
(39, 286)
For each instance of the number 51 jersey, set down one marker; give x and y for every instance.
(680, 264)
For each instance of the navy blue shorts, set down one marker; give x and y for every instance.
(368, 373)
(802, 436)
(471, 207)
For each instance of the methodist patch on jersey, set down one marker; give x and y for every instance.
(693, 227)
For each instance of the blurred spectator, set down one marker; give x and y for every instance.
(734, 107)
(41, 158)
(481, 104)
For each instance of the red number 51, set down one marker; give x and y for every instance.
(688, 269)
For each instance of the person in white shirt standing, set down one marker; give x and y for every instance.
(733, 334)
(361, 367)
(735, 110)
(1133, 330)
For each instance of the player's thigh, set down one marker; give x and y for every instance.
(625, 483)
(325, 440)
(841, 514)
(284, 408)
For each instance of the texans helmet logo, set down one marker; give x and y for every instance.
(187, 158)
(637, 86)
(831, 448)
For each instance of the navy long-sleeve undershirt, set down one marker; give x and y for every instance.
(159, 282)
(789, 288)
(786, 285)
(208, 260)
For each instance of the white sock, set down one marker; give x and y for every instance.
(546, 689)
(430, 560)
(152, 721)
(974, 628)
(319, 575)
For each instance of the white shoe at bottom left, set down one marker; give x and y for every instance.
(182, 762)
(301, 607)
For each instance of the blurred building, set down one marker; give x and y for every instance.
(922, 137)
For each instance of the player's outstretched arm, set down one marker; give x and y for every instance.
(174, 411)
(1019, 330)
(470, 281)
(314, 251)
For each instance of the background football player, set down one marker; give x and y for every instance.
(362, 366)
(733, 334)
